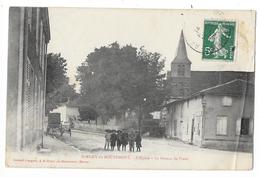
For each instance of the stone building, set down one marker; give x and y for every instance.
(68, 112)
(218, 117)
(209, 108)
(29, 35)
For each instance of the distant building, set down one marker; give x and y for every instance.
(29, 35)
(67, 112)
(218, 117)
(156, 114)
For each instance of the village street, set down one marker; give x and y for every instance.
(166, 151)
(64, 101)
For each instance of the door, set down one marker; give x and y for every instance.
(175, 128)
(192, 131)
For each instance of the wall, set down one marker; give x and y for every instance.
(35, 48)
(13, 95)
(180, 118)
(182, 113)
(241, 107)
(26, 78)
(85, 126)
(180, 86)
(72, 112)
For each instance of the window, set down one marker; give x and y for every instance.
(198, 128)
(227, 101)
(37, 30)
(187, 128)
(181, 70)
(238, 126)
(181, 91)
(243, 126)
(43, 53)
(41, 45)
(222, 125)
(175, 127)
(29, 17)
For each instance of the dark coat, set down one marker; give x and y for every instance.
(138, 140)
(119, 139)
(113, 139)
(131, 139)
(124, 140)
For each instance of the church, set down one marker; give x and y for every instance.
(182, 81)
(212, 109)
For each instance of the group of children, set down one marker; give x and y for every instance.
(122, 138)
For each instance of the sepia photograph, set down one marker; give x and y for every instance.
(110, 88)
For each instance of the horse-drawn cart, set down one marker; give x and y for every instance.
(56, 127)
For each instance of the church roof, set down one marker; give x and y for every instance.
(181, 56)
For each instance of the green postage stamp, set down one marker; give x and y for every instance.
(219, 40)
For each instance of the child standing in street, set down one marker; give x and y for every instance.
(124, 140)
(113, 138)
(132, 141)
(119, 139)
(107, 140)
(138, 140)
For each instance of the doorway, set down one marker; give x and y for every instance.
(192, 131)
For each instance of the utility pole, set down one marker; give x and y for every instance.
(140, 116)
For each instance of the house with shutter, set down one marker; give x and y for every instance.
(219, 117)
(213, 109)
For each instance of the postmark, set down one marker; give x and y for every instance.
(219, 40)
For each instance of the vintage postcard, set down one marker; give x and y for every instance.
(130, 88)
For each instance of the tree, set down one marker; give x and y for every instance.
(58, 89)
(87, 114)
(115, 79)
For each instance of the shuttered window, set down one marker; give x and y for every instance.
(37, 30)
(251, 127)
(29, 102)
(29, 18)
(238, 126)
(222, 125)
(227, 101)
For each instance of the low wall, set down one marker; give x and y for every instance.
(93, 127)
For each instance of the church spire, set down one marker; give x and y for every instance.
(181, 56)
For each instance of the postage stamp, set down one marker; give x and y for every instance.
(219, 40)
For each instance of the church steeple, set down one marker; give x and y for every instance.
(180, 74)
(181, 55)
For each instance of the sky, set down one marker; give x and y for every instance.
(76, 32)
